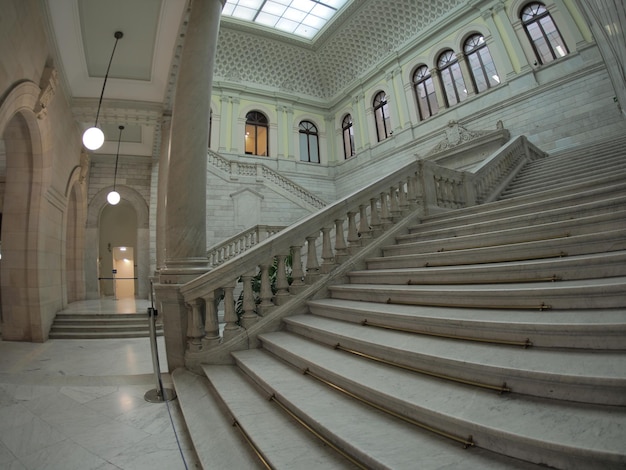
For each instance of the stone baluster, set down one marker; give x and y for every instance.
(328, 260)
(312, 265)
(282, 283)
(341, 249)
(393, 202)
(211, 322)
(385, 216)
(377, 226)
(231, 329)
(266, 294)
(353, 234)
(249, 316)
(297, 285)
(195, 329)
(364, 228)
(403, 203)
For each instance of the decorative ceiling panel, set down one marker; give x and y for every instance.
(366, 37)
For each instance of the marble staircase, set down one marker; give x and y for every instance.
(489, 337)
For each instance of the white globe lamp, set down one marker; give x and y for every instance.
(93, 138)
(114, 198)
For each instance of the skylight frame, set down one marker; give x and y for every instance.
(304, 19)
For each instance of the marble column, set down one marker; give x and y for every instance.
(185, 196)
(186, 185)
(161, 223)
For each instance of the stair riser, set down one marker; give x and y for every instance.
(591, 225)
(580, 389)
(572, 336)
(570, 246)
(541, 168)
(541, 176)
(418, 233)
(553, 297)
(567, 268)
(551, 454)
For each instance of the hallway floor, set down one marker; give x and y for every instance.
(79, 404)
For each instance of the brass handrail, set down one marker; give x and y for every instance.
(315, 433)
(525, 344)
(553, 278)
(466, 442)
(428, 264)
(499, 388)
(541, 307)
(255, 449)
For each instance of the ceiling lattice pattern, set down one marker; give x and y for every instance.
(365, 39)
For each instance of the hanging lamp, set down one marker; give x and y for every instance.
(93, 138)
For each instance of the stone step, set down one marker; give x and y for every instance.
(283, 442)
(529, 371)
(539, 430)
(575, 163)
(603, 206)
(102, 326)
(603, 329)
(610, 240)
(591, 266)
(528, 205)
(371, 436)
(538, 296)
(218, 444)
(501, 236)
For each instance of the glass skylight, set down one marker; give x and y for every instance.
(304, 18)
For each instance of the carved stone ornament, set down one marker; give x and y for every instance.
(49, 83)
(456, 134)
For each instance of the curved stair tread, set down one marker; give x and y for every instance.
(572, 430)
(379, 440)
(282, 440)
(564, 367)
(491, 317)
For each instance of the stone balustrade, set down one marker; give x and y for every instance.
(341, 229)
(239, 243)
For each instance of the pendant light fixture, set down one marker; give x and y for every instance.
(114, 197)
(93, 138)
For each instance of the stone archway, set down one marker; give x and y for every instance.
(142, 254)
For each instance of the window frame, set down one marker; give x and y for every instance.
(552, 40)
(382, 122)
(420, 84)
(347, 130)
(305, 129)
(480, 50)
(257, 124)
(450, 72)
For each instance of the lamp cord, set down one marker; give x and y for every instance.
(118, 35)
(117, 156)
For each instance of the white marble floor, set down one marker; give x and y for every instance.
(79, 404)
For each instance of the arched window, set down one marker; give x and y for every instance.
(543, 33)
(483, 69)
(451, 78)
(425, 92)
(309, 143)
(381, 116)
(257, 132)
(348, 137)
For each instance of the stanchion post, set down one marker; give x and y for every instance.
(158, 394)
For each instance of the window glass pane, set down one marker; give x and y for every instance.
(459, 83)
(261, 141)
(314, 148)
(554, 38)
(250, 139)
(304, 148)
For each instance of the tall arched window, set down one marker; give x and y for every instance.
(348, 137)
(381, 116)
(543, 33)
(309, 143)
(451, 78)
(257, 132)
(483, 69)
(425, 92)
